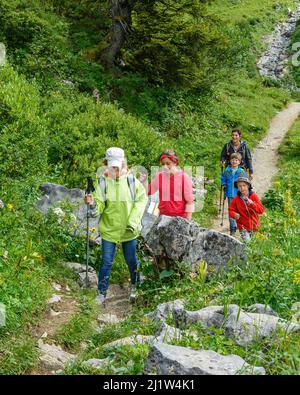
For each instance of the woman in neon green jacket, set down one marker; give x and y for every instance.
(120, 199)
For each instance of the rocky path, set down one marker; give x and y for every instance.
(265, 157)
(62, 306)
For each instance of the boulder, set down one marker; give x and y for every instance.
(211, 316)
(167, 310)
(174, 360)
(54, 194)
(246, 328)
(174, 239)
(81, 271)
(261, 309)
(168, 334)
(53, 357)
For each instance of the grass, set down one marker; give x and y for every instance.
(196, 124)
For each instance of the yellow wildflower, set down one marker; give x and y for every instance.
(288, 208)
(260, 236)
(10, 206)
(296, 278)
(93, 230)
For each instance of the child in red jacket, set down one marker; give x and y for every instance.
(175, 188)
(245, 208)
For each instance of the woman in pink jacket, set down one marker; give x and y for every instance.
(175, 188)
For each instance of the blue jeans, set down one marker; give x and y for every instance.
(108, 255)
(232, 222)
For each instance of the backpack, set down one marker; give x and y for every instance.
(130, 182)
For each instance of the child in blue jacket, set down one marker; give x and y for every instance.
(229, 175)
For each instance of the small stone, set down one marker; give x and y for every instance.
(56, 286)
(45, 334)
(96, 363)
(54, 299)
(53, 313)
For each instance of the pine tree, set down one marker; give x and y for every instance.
(168, 41)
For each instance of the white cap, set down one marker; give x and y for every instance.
(115, 157)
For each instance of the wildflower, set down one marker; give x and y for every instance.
(296, 278)
(93, 230)
(92, 237)
(10, 206)
(59, 212)
(260, 236)
(288, 208)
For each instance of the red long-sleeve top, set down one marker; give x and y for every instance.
(248, 211)
(175, 193)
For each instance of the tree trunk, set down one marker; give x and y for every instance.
(121, 24)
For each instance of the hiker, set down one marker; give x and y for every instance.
(236, 145)
(120, 199)
(245, 208)
(229, 175)
(175, 188)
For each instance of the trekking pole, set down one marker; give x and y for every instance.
(221, 190)
(223, 207)
(90, 188)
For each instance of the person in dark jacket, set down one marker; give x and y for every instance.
(236, 145)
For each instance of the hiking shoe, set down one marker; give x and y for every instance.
(232, 232)
(133, 294)
(100, 299)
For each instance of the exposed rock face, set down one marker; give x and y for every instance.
(172, 360)
(177, 239)
(272, 63)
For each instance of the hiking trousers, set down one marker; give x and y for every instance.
(108, 255)
(232, 222)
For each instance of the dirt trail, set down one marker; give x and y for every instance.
(265, 157)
